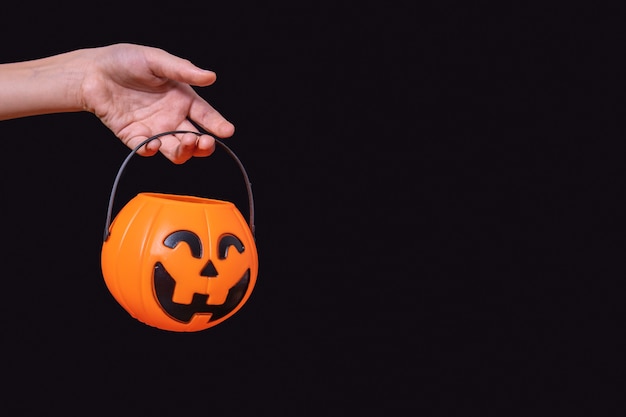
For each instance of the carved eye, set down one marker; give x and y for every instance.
(226, 242)
(190, 238)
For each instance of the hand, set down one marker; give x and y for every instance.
(139, 91)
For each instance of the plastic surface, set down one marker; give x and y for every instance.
(180, 263)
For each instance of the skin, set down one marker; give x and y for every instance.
(136, 91)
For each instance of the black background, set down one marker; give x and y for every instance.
(437, 191)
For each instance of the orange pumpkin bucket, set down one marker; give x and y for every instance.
(179, 263)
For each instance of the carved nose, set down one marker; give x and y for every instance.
(209, 270)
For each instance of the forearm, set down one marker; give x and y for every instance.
(41, 86)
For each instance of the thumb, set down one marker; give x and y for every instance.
(164, 64)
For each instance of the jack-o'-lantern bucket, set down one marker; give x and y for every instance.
(178, 262)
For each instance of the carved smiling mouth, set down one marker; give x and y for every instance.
(164, 289)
